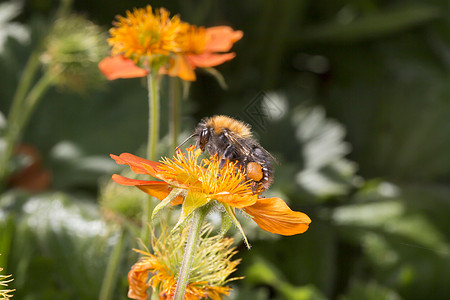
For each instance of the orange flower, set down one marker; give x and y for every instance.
(198, 184)
(165, 281)
(142, 34)
(143, 40)
(115, 67)
(203, 49)
(158, 270)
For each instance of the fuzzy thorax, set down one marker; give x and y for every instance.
(220, 122)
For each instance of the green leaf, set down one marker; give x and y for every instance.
(8, 12)
(261, 272)
(399, 240)
(373, 25)
(370, 291)
(59, 239)
(6, 238)
(326, 171)
(391, 218)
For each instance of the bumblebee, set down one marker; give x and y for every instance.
(232, 140)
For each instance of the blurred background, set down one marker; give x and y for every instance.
(352, 97)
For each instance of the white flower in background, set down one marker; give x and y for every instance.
(8, 11)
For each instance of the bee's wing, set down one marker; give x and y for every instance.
(270, 155)
(245, 149)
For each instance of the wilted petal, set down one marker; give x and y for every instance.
(137, 164)
(206, 60)
(273, 215)
(137, 279)
(221, 38)
(114, 67)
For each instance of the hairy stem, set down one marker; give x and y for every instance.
(175, 97)
(191, 243)
(152, 142)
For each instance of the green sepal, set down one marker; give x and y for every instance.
(218, 76)
(186, 86)
(192, 201)
(230, 212)
(166, 201)
(226, 224)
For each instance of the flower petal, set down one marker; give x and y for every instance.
(180, 67)
(273, 215)
(237, 201)
(206, 60)
(137, 279)
(137, 164)
(221, 38)
(114, 67)
(157, 189)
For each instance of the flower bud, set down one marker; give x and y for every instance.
(73, 49)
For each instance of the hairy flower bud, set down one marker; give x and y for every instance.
(74, 47)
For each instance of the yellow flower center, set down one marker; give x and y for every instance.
(194, 40)
(144, 34)
(184, 171)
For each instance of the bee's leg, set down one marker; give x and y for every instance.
(227, 154)
(254, 187)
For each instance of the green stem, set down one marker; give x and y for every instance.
(175, 99)
(23, 87)
(110, 278)
(153, 138)
(36, 93)
(191, 243)
(65, 6)
(18, 122)
(153, 115)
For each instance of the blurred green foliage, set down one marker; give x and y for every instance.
(352, 97)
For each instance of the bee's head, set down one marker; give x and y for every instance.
(204, 136)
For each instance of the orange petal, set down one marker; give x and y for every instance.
(235, 200)
(180, 67)
(206, 60)
(221, 38)
(137, 164)
(157, 189)
(182, 180)
(273, 215)
(114, 67)
(137, 279)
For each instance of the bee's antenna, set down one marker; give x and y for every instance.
(184, 142)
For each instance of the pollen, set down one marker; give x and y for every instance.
(254, 171)
(183, 169)
(228, 179)
(204, 175)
